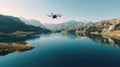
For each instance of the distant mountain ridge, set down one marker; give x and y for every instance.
(10, 24)
(32, 22)
(68, 24)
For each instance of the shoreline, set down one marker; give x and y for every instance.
(111, 34)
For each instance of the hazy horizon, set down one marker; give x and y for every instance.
(94, 10)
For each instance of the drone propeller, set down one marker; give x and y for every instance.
(49, 15)
(59, 15)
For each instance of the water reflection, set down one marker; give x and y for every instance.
(17, 39)
(6, 48)
(70, 35)
(74, 35)
(105, 40)
(96, 38)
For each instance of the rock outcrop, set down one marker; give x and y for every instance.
(105, 25)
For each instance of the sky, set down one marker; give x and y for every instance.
(90, 10)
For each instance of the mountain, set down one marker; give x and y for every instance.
(10, 24)
(68, 24)
(51, 26)
(105, 25)
(109, 28)
(88, 23)
(32, 22)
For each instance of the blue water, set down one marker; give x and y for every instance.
(65, 50)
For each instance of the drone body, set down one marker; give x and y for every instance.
(54, 16)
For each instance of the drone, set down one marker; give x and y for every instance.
(54, 16)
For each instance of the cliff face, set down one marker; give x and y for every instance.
(105, 25)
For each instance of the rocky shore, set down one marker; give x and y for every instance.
(109, 28)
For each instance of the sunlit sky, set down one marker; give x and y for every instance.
(91, 10)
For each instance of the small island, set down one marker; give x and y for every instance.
(6, 48)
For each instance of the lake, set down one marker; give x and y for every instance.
(66, 50)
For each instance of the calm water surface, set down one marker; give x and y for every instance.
(66, 50)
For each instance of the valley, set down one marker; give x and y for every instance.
(31, 40)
